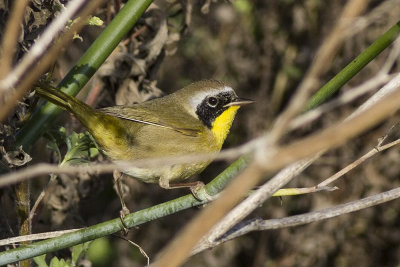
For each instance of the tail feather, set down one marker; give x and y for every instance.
(67, 102)
(56, 97)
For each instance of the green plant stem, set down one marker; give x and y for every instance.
(84, 69)
(131, 220)
(354, 67)
(22, 193)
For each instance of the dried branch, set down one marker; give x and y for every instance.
(315, 216)
(374, 15)
(11, 36)
(142, 251)
(33, 237)
(256, 199)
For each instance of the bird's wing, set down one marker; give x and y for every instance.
(158, 119)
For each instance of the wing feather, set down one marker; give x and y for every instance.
(150, 117)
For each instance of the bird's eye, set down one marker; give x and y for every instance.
(212, 101)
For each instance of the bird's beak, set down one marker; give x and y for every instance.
(239, 102)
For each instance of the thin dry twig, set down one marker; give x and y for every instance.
(138, 247)
(41, 197)
(356, 163)
(256, 199)
(322, 187)
(10, 36)
(392, 58)
(374, 15)
(105, 167)
(315, 216)
(33, 237)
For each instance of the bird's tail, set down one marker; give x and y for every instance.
(83, 112)
(57, 97)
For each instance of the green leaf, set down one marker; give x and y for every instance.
(78, 251)
(80, 148)
(55, 138)
(93, 152)
(41, 261)
(95, 21)
(91, 21)
(55, 262)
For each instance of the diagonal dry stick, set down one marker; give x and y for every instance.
(254, 200)
(34, 237)
(10, 36)
(314, 216)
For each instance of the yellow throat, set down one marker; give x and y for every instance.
(222, 124)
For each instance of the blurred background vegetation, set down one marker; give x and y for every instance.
(262, 49)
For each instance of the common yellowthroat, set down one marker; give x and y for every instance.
(195, 119)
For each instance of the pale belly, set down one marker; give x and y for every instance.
(174, 173)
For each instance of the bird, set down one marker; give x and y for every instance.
(193, 120)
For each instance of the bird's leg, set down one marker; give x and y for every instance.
(197, 188)
(124, 210)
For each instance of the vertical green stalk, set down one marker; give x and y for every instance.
(22, 195)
